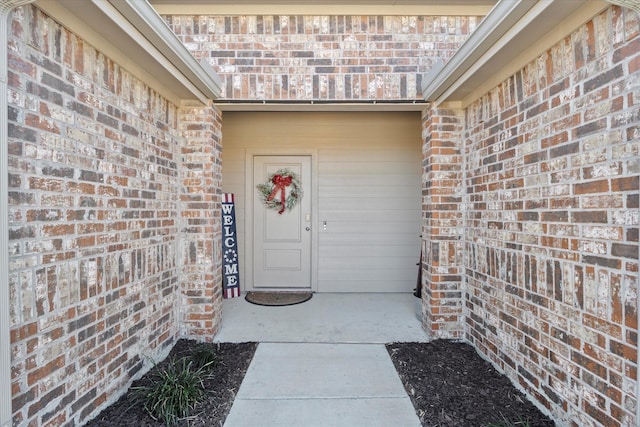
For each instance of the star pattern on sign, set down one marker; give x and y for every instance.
(230, 256)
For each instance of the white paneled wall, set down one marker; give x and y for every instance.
(368, 181)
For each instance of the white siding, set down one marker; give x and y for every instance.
(369, 171)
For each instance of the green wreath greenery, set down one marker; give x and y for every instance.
(271, 192)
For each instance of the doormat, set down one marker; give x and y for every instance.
(276, 299)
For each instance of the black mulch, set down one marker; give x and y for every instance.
(451, 386)
(448, 383)
(232, 364)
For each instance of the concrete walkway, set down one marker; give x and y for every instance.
(323, 363)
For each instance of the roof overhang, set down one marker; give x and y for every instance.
(133, 34)
(511, 35)
(324, 7)
(631, 4)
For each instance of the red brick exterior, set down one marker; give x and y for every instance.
(552, 168)
(530, 202)
(443, 226)
(112, 201)
(322, 57)
(201, 245)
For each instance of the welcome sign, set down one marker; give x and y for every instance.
(230, 275)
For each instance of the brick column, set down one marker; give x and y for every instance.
(6, 7)
(442, 227)
(201, 271)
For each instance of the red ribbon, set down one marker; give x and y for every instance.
(280, 183)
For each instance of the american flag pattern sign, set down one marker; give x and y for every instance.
(230, 275)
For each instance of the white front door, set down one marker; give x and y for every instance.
(282, 234)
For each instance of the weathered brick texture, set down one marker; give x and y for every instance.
(530, 200)
(322, 57)
(201, 244)
(103, 182)
(443, 227)
(551, 255)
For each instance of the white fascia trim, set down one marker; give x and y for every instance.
(550, 38)
(151, 25)
(6, 7)
(80, 24)
(484, 58)
(631, 4)
(501, 18)
(118, 38)
(152, 41)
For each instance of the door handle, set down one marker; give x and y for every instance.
(307, 228)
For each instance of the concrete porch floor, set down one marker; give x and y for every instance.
(326, 318)
(323, 363)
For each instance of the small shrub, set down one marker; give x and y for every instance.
(204, 357)
(174, 391)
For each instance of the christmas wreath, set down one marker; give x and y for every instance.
(273, 193)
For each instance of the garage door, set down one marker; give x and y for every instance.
(367, 172)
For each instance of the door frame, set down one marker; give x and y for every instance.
(250, 153)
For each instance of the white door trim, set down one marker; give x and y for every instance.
(247, 283)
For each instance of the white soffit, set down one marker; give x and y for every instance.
(133, 34)
(324, 7)
(514, 33)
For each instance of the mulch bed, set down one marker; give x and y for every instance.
(227, 374)
(451, 386)
(448, 383)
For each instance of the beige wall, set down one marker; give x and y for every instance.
(368, 181)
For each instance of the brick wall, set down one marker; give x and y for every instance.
(322, 57)
(111, 223)
(201, 244)
(114, 235)
(443, 226)
(552, 165)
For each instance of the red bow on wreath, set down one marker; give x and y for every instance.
(280, 183)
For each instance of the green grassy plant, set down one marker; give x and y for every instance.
(203, 356)
(174, 391)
